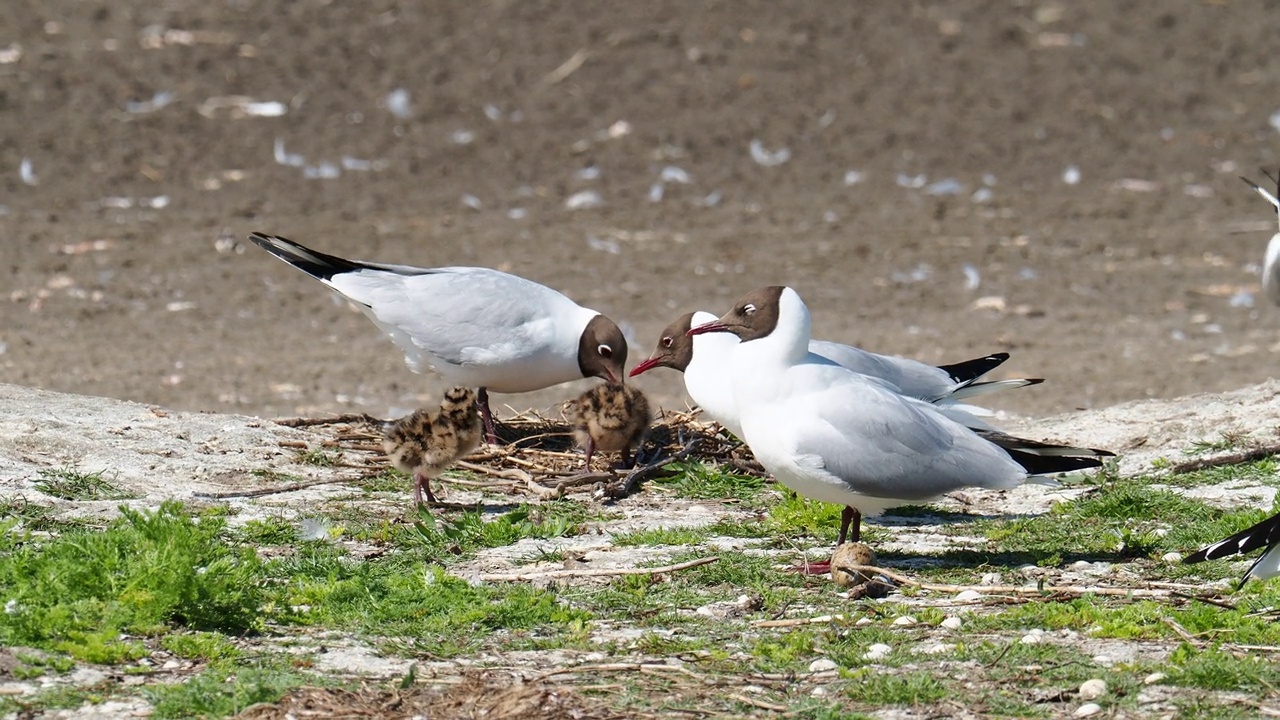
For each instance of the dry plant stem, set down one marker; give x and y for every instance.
(269, 491)
(772, 707)
(628, 484)
(553, 574)
(344, 418)
(505, 473)
(1235, 458)
(1071, 591)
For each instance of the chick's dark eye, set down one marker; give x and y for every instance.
(748, 309)
(605, 351)
(667, 341)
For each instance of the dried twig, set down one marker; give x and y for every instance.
(1021, 590)
(1235, 458)
(343, 418)
(627, 485)
(772, 707)
(797, 622)
(610, 572)
(260, 492)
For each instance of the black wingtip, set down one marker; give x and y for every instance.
(316, 264)
(1263, 534)
(963, 373)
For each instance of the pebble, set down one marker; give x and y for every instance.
(1031, 639)
(864, 621)
(1088, 709)
(936, 648)
(822, 665)
(952, 623)
(971, 595)
(1153, 678)
(1172, 558)
(877, 652)
(1093, 689)
(990, 579)
(905, 620)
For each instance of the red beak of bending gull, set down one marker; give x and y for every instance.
(714, 326)
(649, 364)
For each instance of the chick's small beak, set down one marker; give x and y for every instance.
(713, 326)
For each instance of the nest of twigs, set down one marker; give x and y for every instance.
(537, 456)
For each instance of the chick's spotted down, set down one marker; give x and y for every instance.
(610, 417)
(426, 442)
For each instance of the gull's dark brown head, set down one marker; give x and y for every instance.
(675, 348)
(754, 316)
(602, 350)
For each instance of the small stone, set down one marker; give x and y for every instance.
(878, 651)
(1088, 709)
(819, 692)
(1153, 678)
(1172, 558)
(864, 621)
(990, 579)
(952, 623)
(968, 595)
(905, 620)
(1093, 689)
(171, 665)
(1031, 639)
(822, 665)
(936, 648)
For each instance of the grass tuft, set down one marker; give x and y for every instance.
(70, 483)
(147, 571)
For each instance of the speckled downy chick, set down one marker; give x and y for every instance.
(427, 441)
(610, 417)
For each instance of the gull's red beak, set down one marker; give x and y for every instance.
(713, 326)
(644, 365)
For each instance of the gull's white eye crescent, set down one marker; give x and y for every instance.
(667, 341)
(604, 350)
(749, 309)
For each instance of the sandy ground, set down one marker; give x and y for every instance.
(925, 207)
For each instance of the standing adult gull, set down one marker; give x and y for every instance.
(476, 327)
(835, 435)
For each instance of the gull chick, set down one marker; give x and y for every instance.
(703, 359)
(473, 326)
(842, 437)
(610, 417)
(1271, 263)
(1265, 534)
(426, 442)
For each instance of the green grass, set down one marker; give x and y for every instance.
(699, 481)
(319, 457)
(879, 688)
(398, 596)
(70, 483)
(443, 537)
(226, 688)
(144, 574)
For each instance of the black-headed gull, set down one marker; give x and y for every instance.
(610, 417)
(426, 442)
(1265, 534)
(838, 436)
(1271, 263)
(473, 326)
(703, 359)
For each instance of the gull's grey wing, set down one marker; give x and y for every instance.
(886, 445)
(458, 315)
